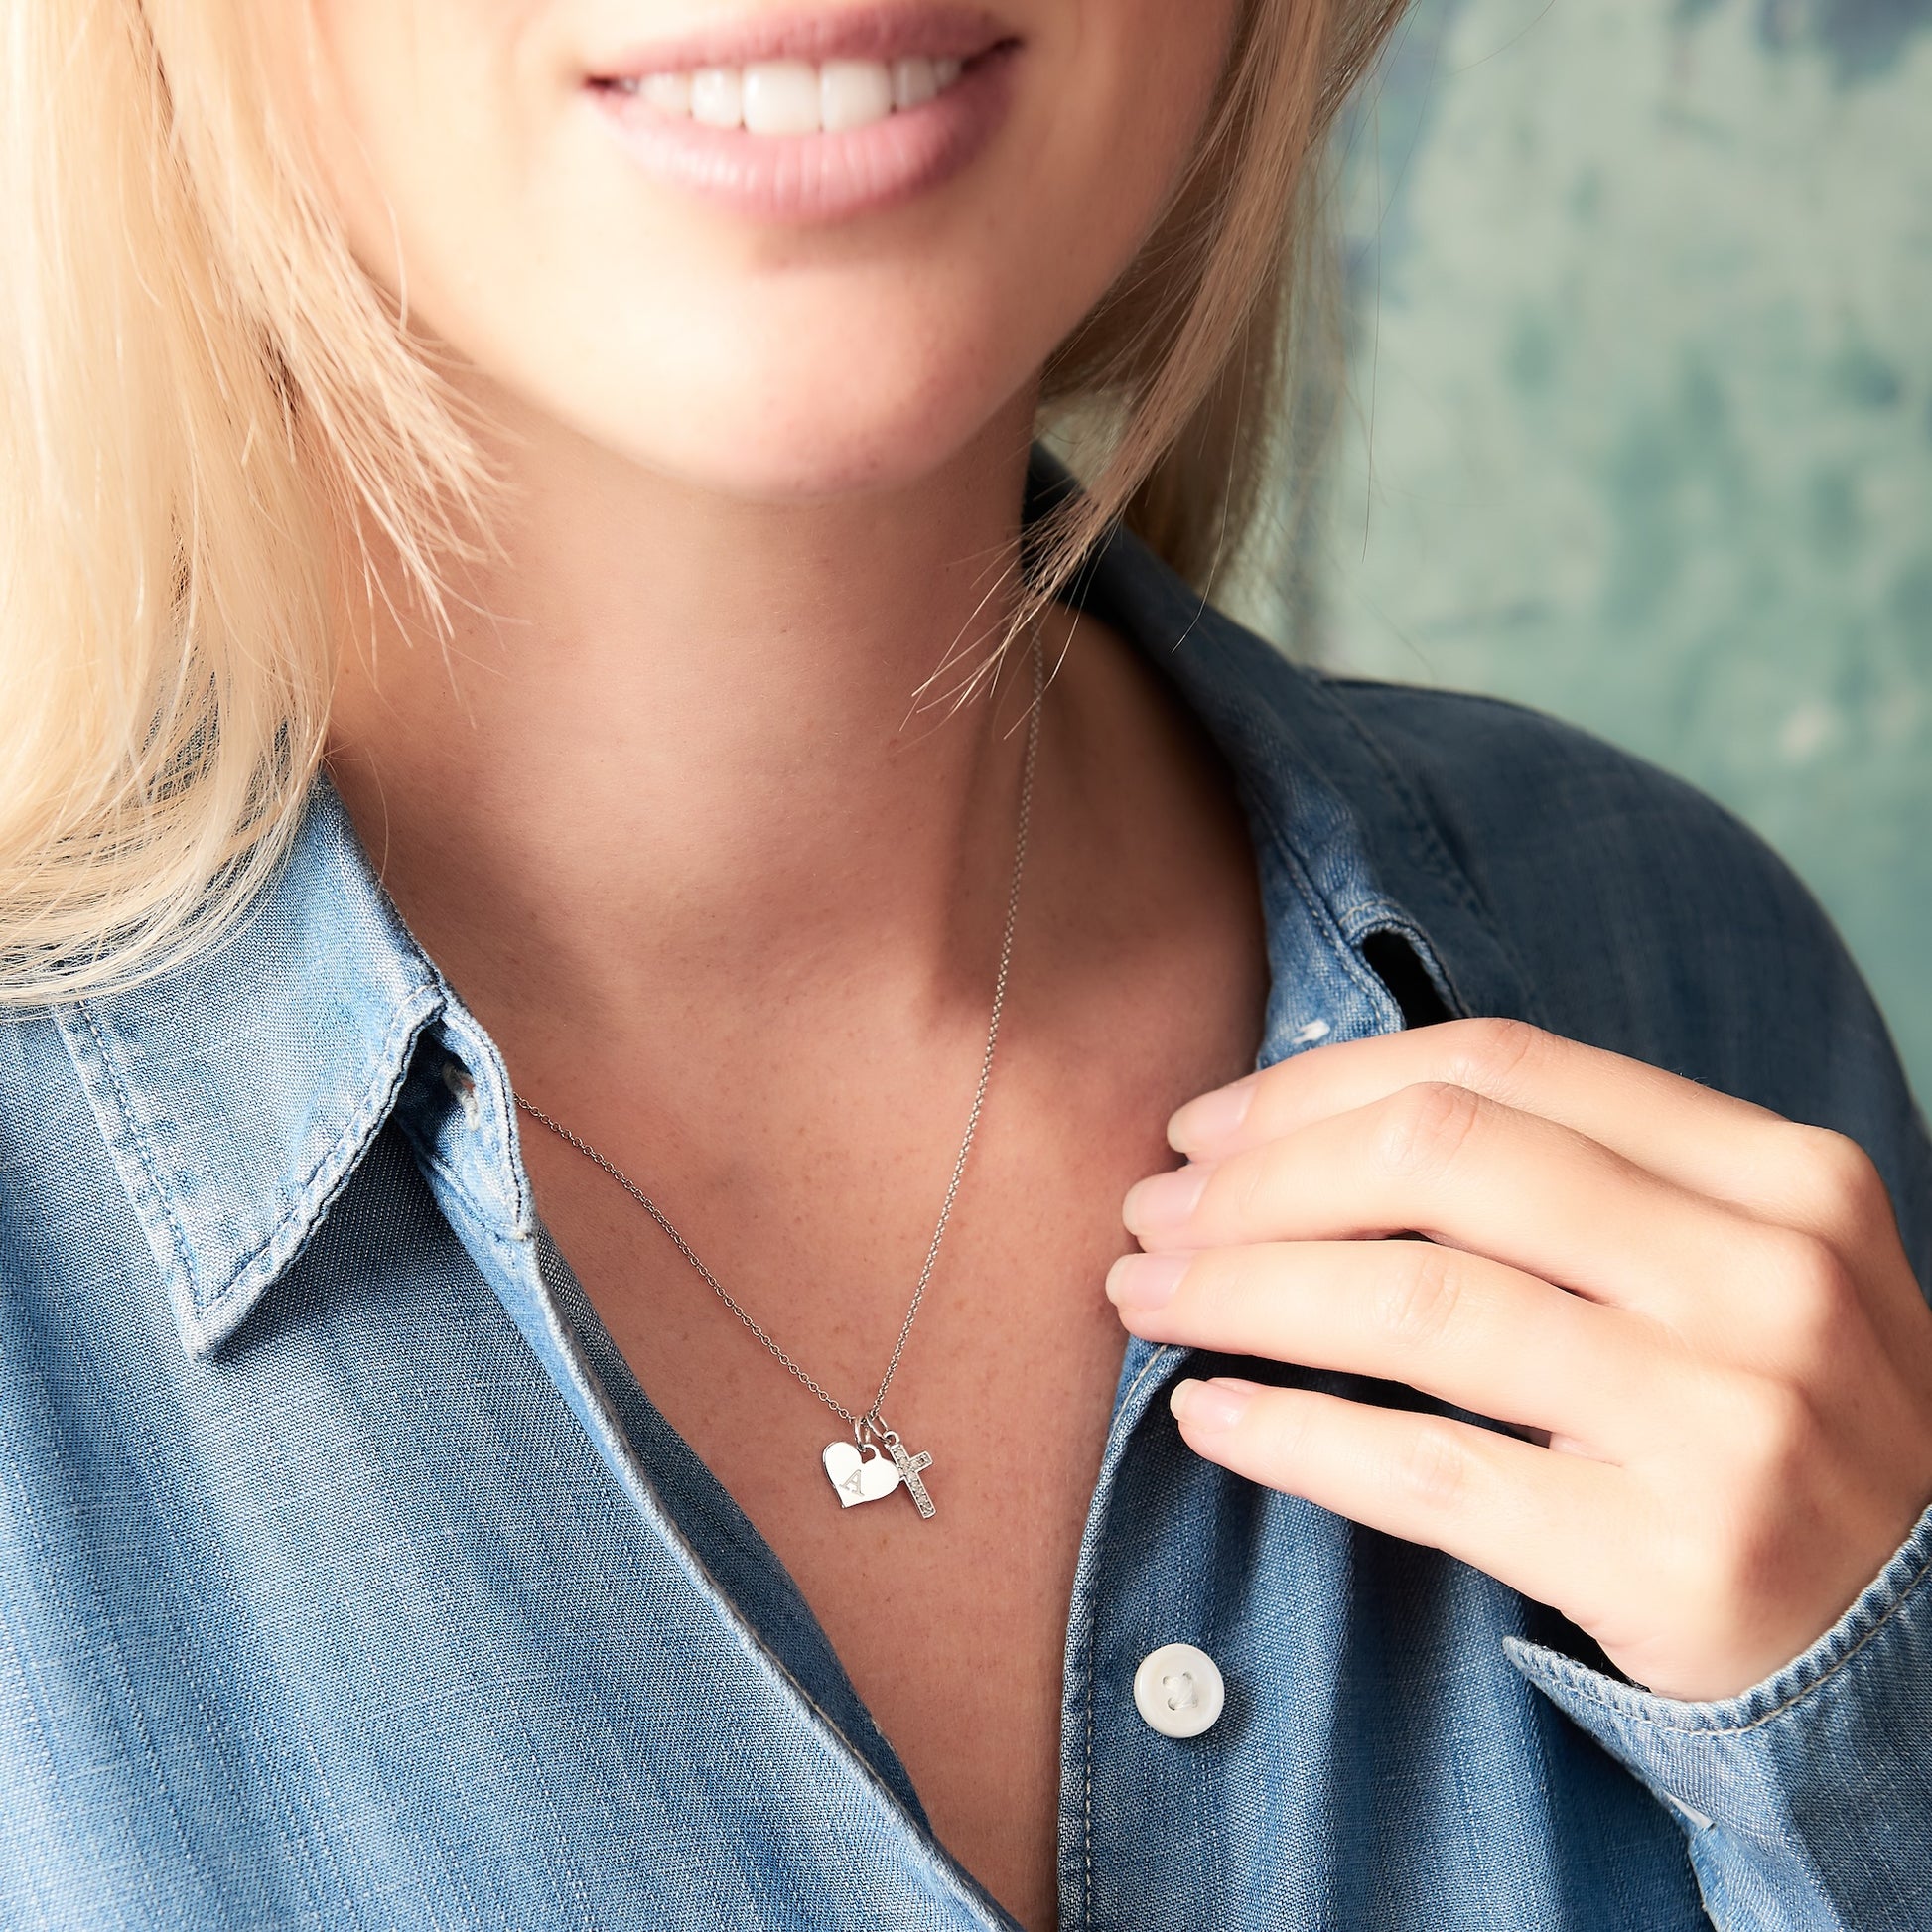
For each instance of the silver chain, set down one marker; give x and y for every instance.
(872, 1422)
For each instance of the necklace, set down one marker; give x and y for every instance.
(875, 1461)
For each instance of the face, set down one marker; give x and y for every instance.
(839, 296)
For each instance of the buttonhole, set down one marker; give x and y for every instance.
(1395, 962)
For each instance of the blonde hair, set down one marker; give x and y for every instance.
(198, 383)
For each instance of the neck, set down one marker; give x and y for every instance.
(677, 741)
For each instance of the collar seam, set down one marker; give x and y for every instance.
(1328, 919)
(204, 1322)
(1429, 843)
(319, 1189)
(154, 1205)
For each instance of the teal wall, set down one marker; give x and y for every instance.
(1640, 411)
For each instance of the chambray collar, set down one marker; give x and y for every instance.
(238, 1093)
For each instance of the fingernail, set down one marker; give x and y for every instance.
(1162, 1200)
(1219, 1404)
(1146, 1281)
(1212, 1116)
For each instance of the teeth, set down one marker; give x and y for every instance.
(795, 96)
(852, 93)
(913, 83)
(717, 96)
(669, 94)
(781, 98)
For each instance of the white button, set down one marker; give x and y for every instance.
(1179, 1690)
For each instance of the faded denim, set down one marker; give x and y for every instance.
(352, 1581)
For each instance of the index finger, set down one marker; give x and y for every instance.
(1706, 1142)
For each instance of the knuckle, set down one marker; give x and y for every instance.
(1435, 1468)
(1775, 1427)
(1424, 1128)
(1812, 1297)
(1490, 1056)
(1832, 1182)
(1425, 1296)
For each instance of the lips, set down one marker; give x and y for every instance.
(876, 33)
(780, 98)
(815, 118)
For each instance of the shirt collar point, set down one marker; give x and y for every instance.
(237, 1093)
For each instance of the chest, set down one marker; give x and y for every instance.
(352, 1612)
(952, 1628)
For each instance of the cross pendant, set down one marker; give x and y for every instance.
(909, 1470)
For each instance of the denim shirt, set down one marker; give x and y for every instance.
(351, 1579)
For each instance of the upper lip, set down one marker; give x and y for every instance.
(890, 32)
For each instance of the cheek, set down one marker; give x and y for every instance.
(764, 363)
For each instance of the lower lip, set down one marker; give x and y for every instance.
(810, 179)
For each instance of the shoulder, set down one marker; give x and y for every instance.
(1645, 917)
(1576, 846)
(1555, 877)
(1544, 817)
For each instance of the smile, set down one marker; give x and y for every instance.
(815, 118)
(777, 98)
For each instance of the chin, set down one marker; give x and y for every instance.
(816, 444)
(759, 391)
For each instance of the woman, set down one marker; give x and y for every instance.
(542, 863)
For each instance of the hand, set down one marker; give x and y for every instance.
(1701, 1310)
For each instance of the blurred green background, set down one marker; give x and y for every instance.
(1639, 418)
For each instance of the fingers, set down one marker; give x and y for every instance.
(1478, 1334)
(1468, 1173)
(1709, 1303)
(1544, 1524)
(1705, 1142)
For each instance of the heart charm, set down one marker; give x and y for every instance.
(860, 1478)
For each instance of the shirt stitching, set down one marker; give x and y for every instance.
(1259, 809)
(1429, 844)
(1086, 1890)
(1569, 1676)
(375, 1104)
(1086, 1886)
(134, 1138)
(1148, 1368)
(379, 1099)
(1324, 916)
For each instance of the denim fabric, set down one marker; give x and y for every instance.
(351, 1579)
